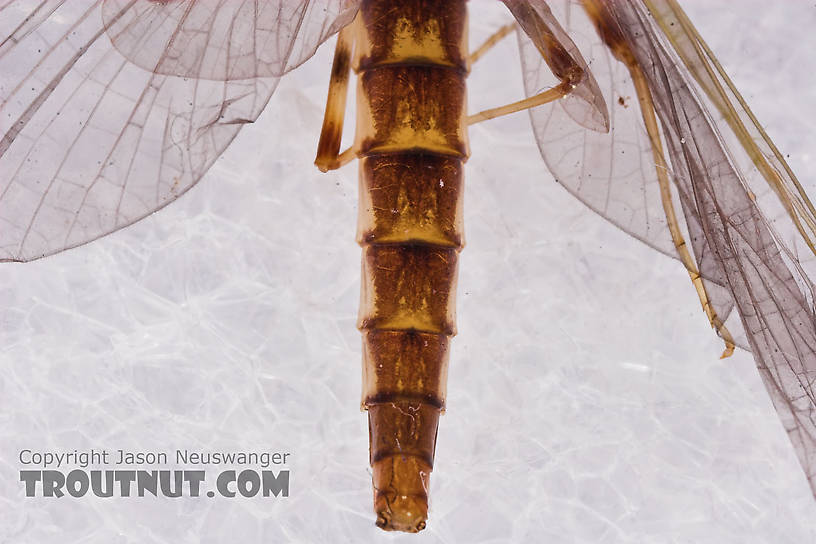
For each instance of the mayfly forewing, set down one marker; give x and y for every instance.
(771, 291)
(223, 39)
(608, 171)
(613, 173)
(93, 142)
(743, 263)
(769, 285)
(768, 176)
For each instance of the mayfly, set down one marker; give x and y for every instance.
(691, 184)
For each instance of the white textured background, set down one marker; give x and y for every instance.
(587, 403)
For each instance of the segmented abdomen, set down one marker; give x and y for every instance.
(412, 145)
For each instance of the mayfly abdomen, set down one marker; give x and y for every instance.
(411, 59)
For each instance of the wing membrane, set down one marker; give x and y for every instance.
(768, 176)
(748, 246)
(610, 172)
(222, 39)
(93, 142)
(547, 42)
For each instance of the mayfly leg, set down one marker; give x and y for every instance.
(550, 95)
(621, 50)
(328, 148)
(570, 72)
(489, 43)
(556, 50)
(650, 120)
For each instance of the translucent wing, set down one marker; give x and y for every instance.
(94, 140)
(746, 217)
(547, 42)
(222, 39)
(610, 172)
